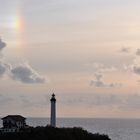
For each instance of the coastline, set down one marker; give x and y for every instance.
(51, 133)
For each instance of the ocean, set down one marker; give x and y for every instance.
(117, 129)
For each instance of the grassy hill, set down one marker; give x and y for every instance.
(49, 133)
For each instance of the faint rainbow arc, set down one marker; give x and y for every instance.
(19, 29)
(19, 23)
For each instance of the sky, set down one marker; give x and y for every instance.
(85, 51)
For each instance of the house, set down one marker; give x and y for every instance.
(13, 123)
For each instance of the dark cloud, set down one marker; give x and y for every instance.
(136, 69)
(115, 85)
(2, 44)
(125, 50)
(23, 72)
(138, 52)
(98, 81)
(26, 74)
(4, 68)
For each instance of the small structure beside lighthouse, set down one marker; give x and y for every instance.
(53, 111)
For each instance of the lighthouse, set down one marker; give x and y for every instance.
(53, 111)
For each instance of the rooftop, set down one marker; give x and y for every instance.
(14, 117)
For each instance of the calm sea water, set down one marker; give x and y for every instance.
(117, 129)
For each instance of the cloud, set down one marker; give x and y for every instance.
(106, 100)
(2, 44)
(95, 99)
(127, 101)
(135, 67)
(99, 67)
(99, 70)
(3, 68)
(138, 52)
(125, 50)
(98, 82)
(26, 74)
(22, 72)
(121, 101)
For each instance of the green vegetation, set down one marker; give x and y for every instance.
(49, 133)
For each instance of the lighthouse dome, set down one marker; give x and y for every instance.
(53, 97)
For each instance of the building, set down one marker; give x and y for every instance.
(53, 111)
(13, 123)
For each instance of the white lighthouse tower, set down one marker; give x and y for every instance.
(53, 111)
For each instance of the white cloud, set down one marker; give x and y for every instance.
(99, 70)
(98, 82)
(99, 67)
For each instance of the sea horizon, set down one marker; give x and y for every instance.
(122, 118)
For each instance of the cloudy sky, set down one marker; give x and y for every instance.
(85, 51)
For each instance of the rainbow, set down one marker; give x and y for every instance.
(16, 21)
(19, 23)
